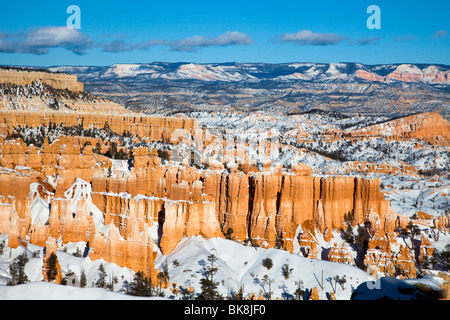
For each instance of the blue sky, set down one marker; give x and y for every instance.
(34, 32)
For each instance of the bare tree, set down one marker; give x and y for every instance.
(268, 281)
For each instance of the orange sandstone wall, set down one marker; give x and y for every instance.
(174, 202)
(155, 128)
(56, 80)
(422, 126)
(261, 206)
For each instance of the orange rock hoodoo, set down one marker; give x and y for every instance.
(153, 205)
(165, 203)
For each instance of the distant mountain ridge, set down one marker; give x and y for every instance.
(388, 90)
(254, 72)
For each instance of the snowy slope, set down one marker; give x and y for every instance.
(37, 289)
(240, 265)
(51, 291)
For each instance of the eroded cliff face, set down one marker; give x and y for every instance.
(154, 128)
(431, 127)
(65, 190)
(261, 206)
(127, 216)
(56, 80)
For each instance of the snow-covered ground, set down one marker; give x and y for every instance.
(51, 291)
(238, 265)
(409, 195)
(38, 289)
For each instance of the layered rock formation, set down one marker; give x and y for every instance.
(261, 206)
(265, 207)
(340, 255)
(56, 80)
(154, 128)
(426, 250)
(408, 73)
(428, 126)
(392, 264)
(381, 257)
(127, 215)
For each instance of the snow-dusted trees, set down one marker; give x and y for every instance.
(17, 270)
(208, 286)
(140, 286)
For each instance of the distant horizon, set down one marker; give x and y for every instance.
(225, 62)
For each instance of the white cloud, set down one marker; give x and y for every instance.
(307, 37)
(227, 39)
(440, 34)
(147, 44)
(121, 46)
(364, 41)
(41, 40)
(405, 38)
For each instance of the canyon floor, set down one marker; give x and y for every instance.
(312, 204)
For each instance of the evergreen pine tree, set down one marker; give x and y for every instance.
(208, 286)
(268, 263)
(414, 230)
(51, 263)
(140, 286)
(348, 236)
(83, 279)
(299, 292)
(17, 270)
(101, 282)
(240, 295)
